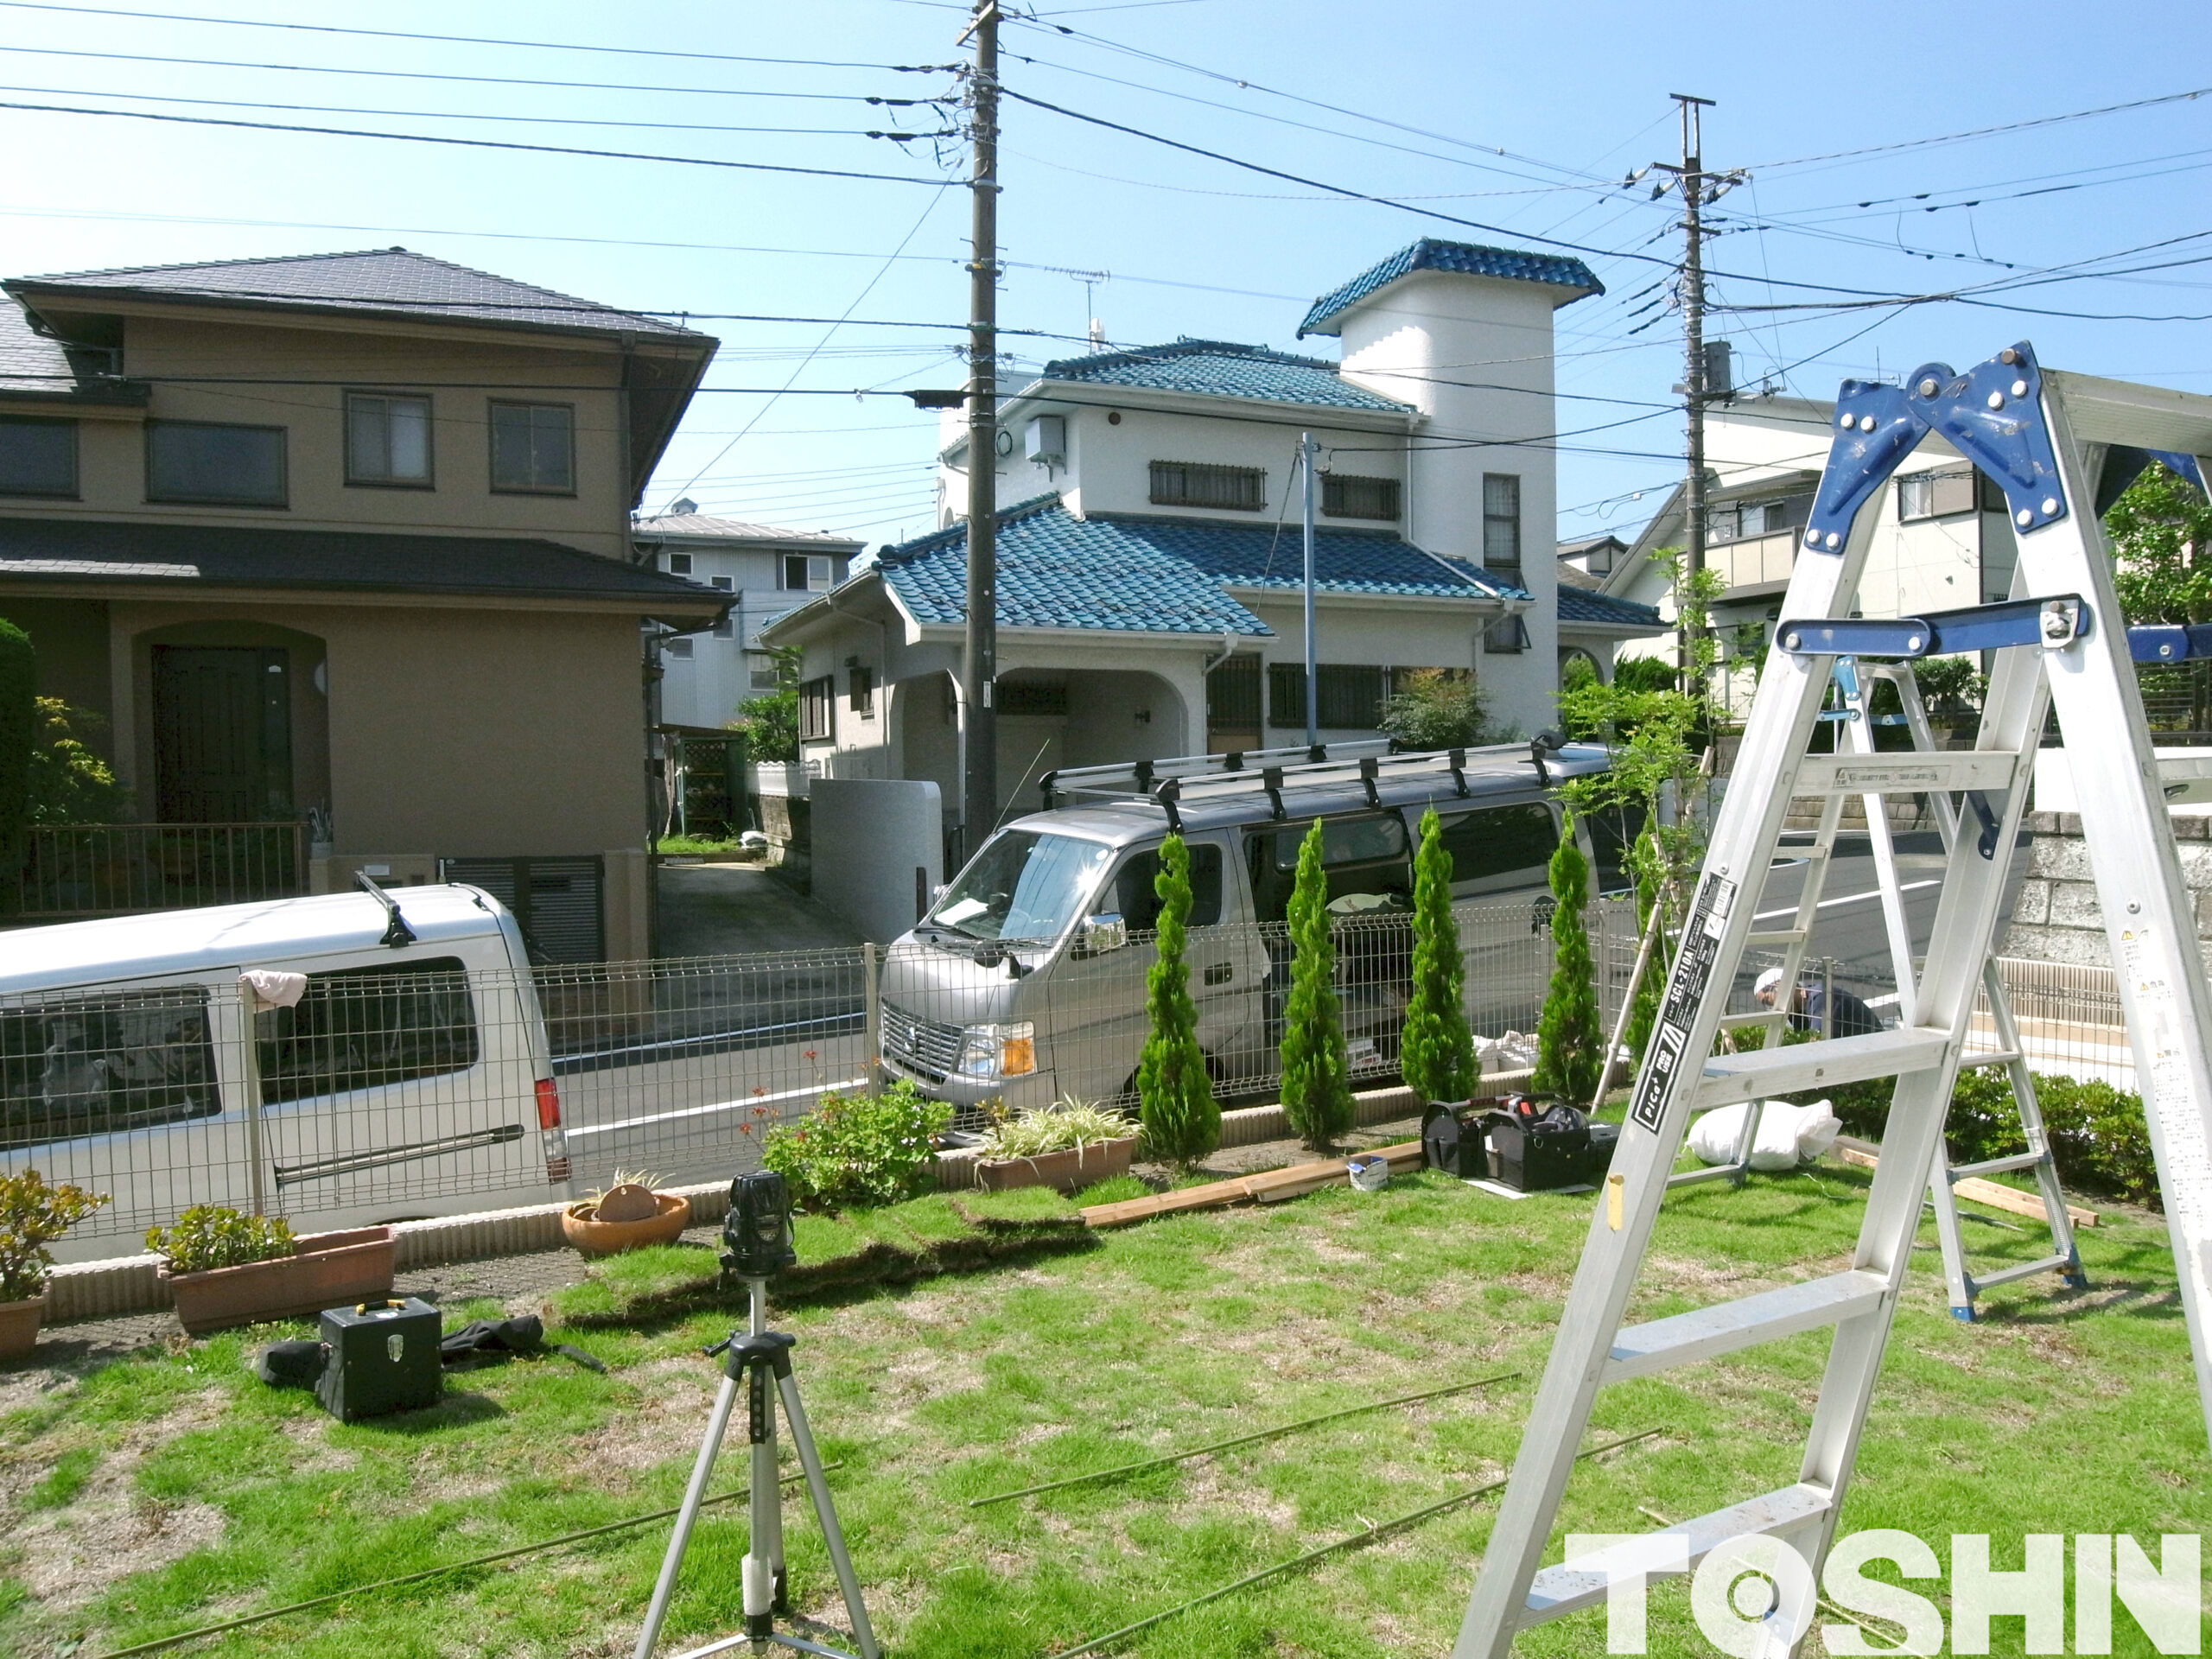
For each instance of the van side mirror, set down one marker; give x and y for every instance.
(1100, 934)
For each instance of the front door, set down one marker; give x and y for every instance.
(222, 734)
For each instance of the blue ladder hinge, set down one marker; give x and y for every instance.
(2050, 622)
(2177, 642)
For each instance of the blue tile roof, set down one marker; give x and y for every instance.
(1157, 576)
(1581, 605)
(1217, 368)
(1556, 270)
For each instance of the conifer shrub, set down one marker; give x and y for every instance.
(1570, 1050)
(1316, 1070)
(1436, 1053)
(1181, 1122)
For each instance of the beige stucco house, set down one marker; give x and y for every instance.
(338, 547)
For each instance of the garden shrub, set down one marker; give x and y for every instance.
(34, 1213)
(1316, 1070)
(859, 1149)
(1175, 1096)
(210, 1236)
(1436, 1052)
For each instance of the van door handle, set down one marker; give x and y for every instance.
(1220, 972)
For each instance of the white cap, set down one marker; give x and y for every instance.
(1768, 981)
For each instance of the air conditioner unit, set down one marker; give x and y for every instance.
(1048, 439)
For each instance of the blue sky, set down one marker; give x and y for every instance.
(1522, 119)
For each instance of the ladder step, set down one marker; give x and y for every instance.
(2002, 1056)
(1923, 773)
(1829, 1064)
(1574, 1585)
(1783, 936)
(1739, 1021)
(2026, 1269)
(1996, 1165)
(1685, 1338)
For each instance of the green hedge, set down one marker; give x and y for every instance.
(2098, 1136)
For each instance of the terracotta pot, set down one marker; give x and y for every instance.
(1077, 1167)
(19, 1326)
(592, 1236)
(324, 1270)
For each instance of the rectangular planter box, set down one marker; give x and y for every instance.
(1077, 1167)
(324, 1270)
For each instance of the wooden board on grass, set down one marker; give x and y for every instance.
(1977, 1190)
(1269, 1187)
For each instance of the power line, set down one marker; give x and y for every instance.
(471, 40)
(472, 144)
(1985, 133)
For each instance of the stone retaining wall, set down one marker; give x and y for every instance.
(2056, 916)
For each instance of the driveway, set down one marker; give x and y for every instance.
(721, 910)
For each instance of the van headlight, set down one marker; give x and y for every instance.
(998, 1051)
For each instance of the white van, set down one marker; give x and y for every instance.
(411, 1077)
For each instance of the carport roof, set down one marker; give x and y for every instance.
(56, 551)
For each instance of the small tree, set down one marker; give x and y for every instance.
(1316, 1070)
(18, 721)
(1569, 1046)
(69, 782)
(1174, 1095)
(1644, 1013)
(1437, 1052)
(771, 723)
(1436, 708)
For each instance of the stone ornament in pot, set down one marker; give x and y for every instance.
(626, 1214)
(34, 1213)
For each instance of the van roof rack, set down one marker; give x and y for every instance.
(1170, 785)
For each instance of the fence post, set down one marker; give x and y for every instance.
(250, 1075)
(872, 1021)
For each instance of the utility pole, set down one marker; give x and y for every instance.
(1689, 179)
(1306, 450)
(979, 661)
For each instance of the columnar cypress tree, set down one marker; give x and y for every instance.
(1316, 1070)
(1569, 1046)
(1650, 990)
(1437, 1052)
(1174, 1095)
(18, 705)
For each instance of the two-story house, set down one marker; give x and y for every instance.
(337, 549)
(1150, 571)
(764, 572)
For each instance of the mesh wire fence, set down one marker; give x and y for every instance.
(382, 1093)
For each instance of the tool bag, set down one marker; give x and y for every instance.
(1536, 1146)
(1452, 1141)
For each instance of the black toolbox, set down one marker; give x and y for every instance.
(383, 1358)
(1535, 1147)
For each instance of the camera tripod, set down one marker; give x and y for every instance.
(756, 1357)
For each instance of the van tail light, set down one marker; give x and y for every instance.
(549, 1105)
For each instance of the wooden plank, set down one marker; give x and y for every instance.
(1977, 1190)
(1269, 1187)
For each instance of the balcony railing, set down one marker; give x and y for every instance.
(111, 869)
(1754, 560)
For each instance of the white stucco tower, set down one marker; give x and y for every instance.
(1463, 334)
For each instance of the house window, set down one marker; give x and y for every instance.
(679, 564)
(816, 698)
(533, 448)
(1233, 696)
(860, 691)
(762, 676)
(1193, 484)
(806, 573)
(387, 440)
(197, 460)
(1936, 495)
(726, 623)
(1347, 696)
(1505, 636)
(1501, 522)
(680, 649)
(38, 457)
(1345, 497)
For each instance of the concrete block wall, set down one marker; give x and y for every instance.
(2056, 916)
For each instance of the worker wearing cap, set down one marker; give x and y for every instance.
(1811, 1008)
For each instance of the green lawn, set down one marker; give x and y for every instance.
(171, 1489)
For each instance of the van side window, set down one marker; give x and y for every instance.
(96, 1065)
(1613, 830)
(1500, 848)
(367, 1027)
(1140, 904)
(1365, 859)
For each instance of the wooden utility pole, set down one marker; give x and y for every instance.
(979, 662)
(1689, 178)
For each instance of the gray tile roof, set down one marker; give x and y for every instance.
(707, 524)
(1467, 258)
(1219, 368)
(1604, 610)
(387, 281)
(37, 550)
(33, 365)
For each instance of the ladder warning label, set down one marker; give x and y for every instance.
(1685, 990)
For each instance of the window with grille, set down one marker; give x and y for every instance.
(679, 564)
(860, 690)
(1501, 521)
(38, 457)
(1346, 497)
(534, 447)
(1504, 637)
(1197, 484)
(1936, 495)
(1233, 696)
(1347, 696)
(816, 698)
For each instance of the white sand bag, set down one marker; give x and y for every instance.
(1788, 1134)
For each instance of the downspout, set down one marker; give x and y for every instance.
(1205, 673)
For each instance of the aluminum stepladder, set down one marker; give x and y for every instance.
(2065, 645)
(1852, 679)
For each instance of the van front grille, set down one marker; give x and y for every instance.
(924, 1046)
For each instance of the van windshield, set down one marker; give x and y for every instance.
(1022, 885)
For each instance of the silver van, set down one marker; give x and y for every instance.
(409, 1077)
(1025, 980)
